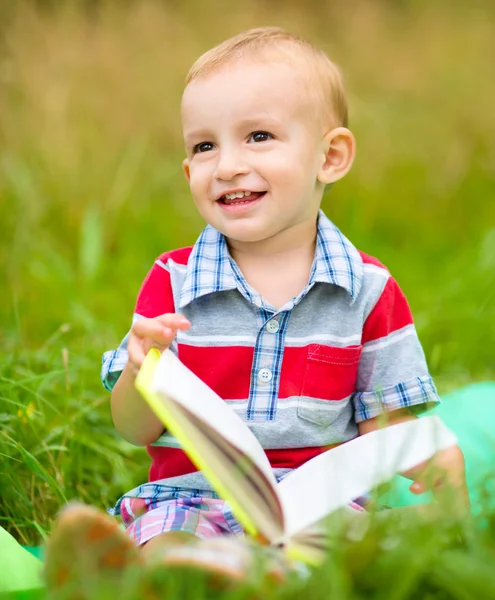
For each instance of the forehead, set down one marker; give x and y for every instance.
(242, 89)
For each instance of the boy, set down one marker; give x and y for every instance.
(307, 339)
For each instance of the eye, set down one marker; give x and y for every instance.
(260, 136)
(203, 147)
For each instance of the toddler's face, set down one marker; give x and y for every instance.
(254, 149)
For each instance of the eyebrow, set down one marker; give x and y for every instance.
(196, 135)
(266, 120)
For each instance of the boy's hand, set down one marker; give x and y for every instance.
(158, 332)
(445, 475)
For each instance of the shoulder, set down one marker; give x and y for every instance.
(373, 265)
(382, 294)
(375, 279)
(156, 295)
(180, 256)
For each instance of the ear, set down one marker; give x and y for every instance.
(186, 169)
(339, 151)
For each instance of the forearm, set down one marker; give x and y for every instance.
(132, 417)
(388, 418)
(384, 420)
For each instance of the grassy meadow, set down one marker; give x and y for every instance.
(91, 191)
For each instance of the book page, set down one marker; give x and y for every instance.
(232, 474)
(175, 380)
(333, 479)
(216, 440)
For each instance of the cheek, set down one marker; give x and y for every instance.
(278, 167)
(291, 173)
(295, 165)
(199, 179)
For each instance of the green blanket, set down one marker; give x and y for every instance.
(19, 569)
(469, 412)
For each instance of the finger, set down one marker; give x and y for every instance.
(429, 480)
(154, 330)
(417, 488)
(174, 321)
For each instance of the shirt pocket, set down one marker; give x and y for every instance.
(329, 379)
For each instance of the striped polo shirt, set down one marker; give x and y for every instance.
(302, 376)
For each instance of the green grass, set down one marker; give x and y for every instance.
(409, 559)
(91, 191)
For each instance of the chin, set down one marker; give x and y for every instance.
(237, 229)
(258, 232)
(243, 238)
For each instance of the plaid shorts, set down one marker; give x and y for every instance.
(203, 517)
(176, 510)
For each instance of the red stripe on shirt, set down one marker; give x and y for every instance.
(390, 313)
(371, 260)
(168, 462)
(225, 369)
(179, 256)
(315, 371)
(294, 457)
(319, 371)
(173, 462)
(155, 296)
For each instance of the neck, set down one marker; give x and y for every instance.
(298, 241)
(278, 268)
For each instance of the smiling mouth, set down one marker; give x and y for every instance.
(245, 199)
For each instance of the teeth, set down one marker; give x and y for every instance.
(237, 195)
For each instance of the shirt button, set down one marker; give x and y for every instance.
(264, 375)
(272, 326)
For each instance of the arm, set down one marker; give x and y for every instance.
(394, 385)
(391, 418)
(132, 417)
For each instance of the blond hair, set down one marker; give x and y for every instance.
(324, 78)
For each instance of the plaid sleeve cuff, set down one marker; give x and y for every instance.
(419, 392)
(113, 363)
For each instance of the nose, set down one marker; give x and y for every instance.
(230, 164)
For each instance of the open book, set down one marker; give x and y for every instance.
(290, 513)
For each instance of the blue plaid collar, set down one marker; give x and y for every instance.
(337, 260)
(211, 269)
